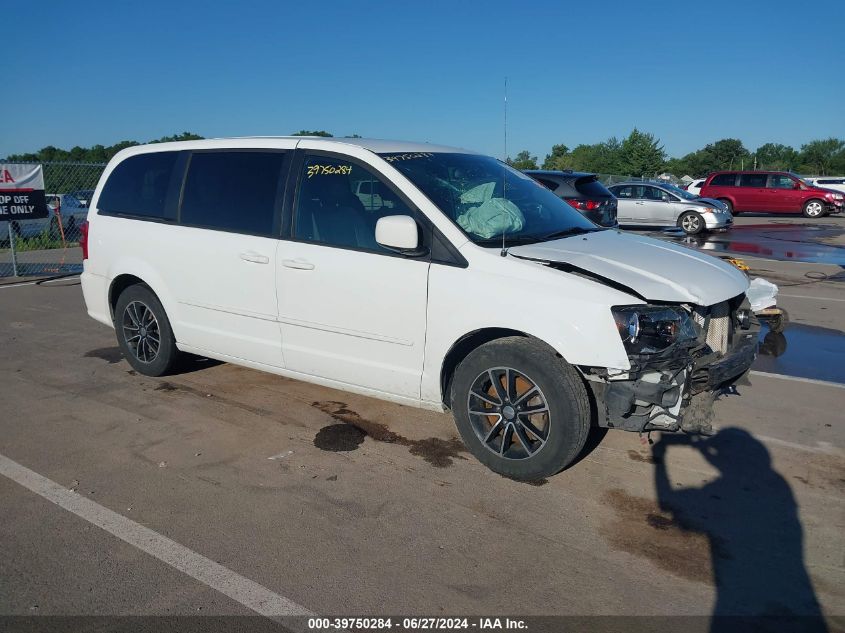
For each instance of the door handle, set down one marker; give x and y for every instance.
(255, 258)
(299, 264)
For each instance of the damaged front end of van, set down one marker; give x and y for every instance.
(681, 357)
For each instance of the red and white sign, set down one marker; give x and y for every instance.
(22, 192)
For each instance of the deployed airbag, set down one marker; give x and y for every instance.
(494, 216)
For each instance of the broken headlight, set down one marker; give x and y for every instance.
(650, 329)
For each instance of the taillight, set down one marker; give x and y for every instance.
(83, 238)
(583, 205)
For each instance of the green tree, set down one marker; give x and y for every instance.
(776, 156)
(728, 153)
(641, 154)
(558, 158)
(312, 133)
(523, 160)
(819, 156)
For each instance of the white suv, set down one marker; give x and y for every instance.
(475, 289)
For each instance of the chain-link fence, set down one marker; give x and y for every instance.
(50, 246)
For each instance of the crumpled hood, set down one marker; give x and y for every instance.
(656, 270)
(712, 202)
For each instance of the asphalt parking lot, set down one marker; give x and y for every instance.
(337, 504)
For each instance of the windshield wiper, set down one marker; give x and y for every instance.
(510, 241)
(575, 230)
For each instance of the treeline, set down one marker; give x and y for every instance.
(639, 154)
(642, 154)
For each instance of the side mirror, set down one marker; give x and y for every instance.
(399, 233)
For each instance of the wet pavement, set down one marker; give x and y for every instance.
(805, 351)
(785, 242)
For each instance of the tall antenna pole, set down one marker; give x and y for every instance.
(506, 119)
(504, 251)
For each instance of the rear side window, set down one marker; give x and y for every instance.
(752, 180)
(233, 191)
(138, 186)
(590, 186)
(723, 180)
(779, 181)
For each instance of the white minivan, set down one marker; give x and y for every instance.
(469, 287)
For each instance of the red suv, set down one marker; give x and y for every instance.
(771, 191)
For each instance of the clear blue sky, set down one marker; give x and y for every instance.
(80, 73)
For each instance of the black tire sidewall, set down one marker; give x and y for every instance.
(562, 387)
(167, 350)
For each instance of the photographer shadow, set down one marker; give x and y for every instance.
(750, 518)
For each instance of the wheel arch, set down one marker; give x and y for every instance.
(470, 341)
(119, 284)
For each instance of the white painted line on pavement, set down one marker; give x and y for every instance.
(32, 283)
(812, 381)
(821, 447)
(243, 590)
(780, 294)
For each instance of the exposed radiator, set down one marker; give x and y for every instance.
(718, 330)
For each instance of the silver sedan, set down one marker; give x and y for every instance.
(661, 204)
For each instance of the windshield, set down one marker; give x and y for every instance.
(686, 195)
(489, 200)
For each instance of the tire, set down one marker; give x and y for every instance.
(729, 206)
(814, 208)
(559, 431)
(779, 323)
(691, 223)
(139, 313)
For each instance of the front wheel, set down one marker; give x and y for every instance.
(814, 208)
(691, 223)
(143, 331)
(521, 410)
(728, 205)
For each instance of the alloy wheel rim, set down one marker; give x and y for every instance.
(509, 413)
(814, 208)
(690, 223)
(141, 331)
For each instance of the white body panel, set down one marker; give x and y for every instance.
(378, 324)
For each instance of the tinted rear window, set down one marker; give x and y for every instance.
(590, 186)
(139, 185)
(753, 180)
(723, 180)
(233, 191)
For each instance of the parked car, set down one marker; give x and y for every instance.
(695, 186)
(837, 184)
(72, 213)
(581, 191)
(771, 191)
(478, 291)
(660, 204)
(83, 195)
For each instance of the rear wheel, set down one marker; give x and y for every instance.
(814, 208)
(691, 223)
(521, 409)
(143, 331)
